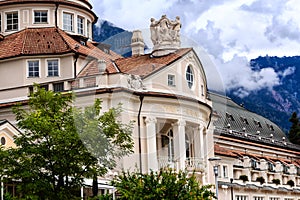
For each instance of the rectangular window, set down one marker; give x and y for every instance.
(68, 21)
(171, 80)
(241, 197)
(274, 198)
(225, 171)
(40, 16)
(58, 87)
(53, 67)
(0, 22)
(46, 87)
(12, 21)
(33, 68)
(202, 90)
(80, 25)
(258, 198)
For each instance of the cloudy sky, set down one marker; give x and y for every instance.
(230, 32)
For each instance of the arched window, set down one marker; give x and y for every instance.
(189, 76)
(3, 141)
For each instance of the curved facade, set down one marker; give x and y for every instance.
(73, 16)
(177, 123)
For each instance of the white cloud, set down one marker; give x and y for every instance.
(231, 32)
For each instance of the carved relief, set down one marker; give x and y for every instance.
(135, 82)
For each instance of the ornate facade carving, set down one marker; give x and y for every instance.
(135, 82)
(165, 35)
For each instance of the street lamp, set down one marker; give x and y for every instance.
(231, 188)
(215, 162)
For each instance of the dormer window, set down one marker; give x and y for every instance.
(40, 16)
(12, 21)
(253, 164)
(68, 21)
(271, 167)
(285, 169)
(189, 76)
(244, 120)
(229, 116)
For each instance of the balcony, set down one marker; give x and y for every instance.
(191, 164)
(195, 164)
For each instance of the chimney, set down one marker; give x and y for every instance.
(137, 43)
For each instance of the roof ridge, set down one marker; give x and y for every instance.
(61, 31)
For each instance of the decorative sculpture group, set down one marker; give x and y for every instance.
(165, 34)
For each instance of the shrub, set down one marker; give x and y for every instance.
(291, 183)
(276, 181)
(261, 180)
(244, 178)
(164, 184)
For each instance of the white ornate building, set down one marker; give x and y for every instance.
(177, 122)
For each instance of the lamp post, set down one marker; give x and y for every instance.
(215, 162)
(231, 188)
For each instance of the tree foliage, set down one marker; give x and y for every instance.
(294, 133)
(164, 184)
(60, 145)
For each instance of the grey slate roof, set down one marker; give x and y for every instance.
(236, 121)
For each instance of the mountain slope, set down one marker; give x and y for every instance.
(278, 103)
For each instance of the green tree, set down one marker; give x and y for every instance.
(294, 133)
(54, 152)
(164, 184)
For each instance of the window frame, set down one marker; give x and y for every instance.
(47, 67)
(82, 27)
(39, 68)
(12, 24)
(57, 84)
(41, 22)
(88, 28)
(171, 80)
(3, 141)
(1, 21)
(190, 76)
(225, 171)
(67, 26)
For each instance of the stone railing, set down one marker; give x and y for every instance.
(195, 164)
(166, 162)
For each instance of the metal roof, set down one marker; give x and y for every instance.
(236, 121)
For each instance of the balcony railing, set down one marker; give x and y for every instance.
(166, 162)
(195, 164)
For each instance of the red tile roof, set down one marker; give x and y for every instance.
(145, 65)
(239, 154)
(47, 41)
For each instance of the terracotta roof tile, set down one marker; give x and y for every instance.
(41, 41)
(235, 153)
(33, 42)
(145, 65)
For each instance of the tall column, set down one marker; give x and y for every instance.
(198, 143)
(151, 143)
(179, 144)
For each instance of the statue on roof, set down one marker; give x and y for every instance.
(165, 34)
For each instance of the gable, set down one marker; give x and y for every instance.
(185, 76)
(7, 134)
